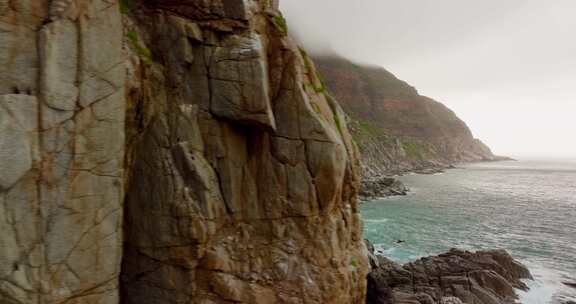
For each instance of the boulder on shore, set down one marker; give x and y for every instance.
(458, 276)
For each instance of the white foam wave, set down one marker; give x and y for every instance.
(384, 220)
(546, 288)
(539, 293)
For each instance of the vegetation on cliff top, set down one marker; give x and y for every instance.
(389, 117)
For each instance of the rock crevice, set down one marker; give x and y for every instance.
(263, 186)
(61, 188)
(483, 277)
(170, 152)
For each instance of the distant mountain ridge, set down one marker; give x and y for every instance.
(397, 129)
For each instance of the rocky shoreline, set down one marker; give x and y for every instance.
(374, 186)
(381, 187)
(455, 277)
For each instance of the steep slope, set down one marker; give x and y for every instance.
(397, 129)
(170, 152)
(243, 178)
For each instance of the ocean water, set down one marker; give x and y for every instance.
(525, 207)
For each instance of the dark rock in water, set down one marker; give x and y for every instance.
(504, 158)
(483, 277)
(381, 187)
(431, 170)
(570, 284)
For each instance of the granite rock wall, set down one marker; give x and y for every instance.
(170, 152)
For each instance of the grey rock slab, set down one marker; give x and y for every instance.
(59, 57)
(16, 145)
(239, 80)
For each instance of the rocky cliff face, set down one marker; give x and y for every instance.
(61, 151)
(397, 129)
(170, 152)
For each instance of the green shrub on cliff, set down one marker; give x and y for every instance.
(316, 79)
(280, 24)
(366, 132)
(321, 88)
(368, 129)
(354, 263)
(338, 123)
(142, 52)
(414, 150)
(126, 6)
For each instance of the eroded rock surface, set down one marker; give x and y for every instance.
(196, 122)
(61, 151)
(243, 178)
(483, 277)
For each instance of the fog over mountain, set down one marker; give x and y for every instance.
(508, 68)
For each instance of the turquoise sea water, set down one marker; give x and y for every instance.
(525, 207)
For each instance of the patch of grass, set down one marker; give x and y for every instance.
(338, 123)
(307, 63)
(414, 149)
(365, 131)
(281, 24)
(321, 88)
(316, 79)
(316, 108)
(368, 128)
(132, 36)
(126, 6)
(354, 263)
(142, 52)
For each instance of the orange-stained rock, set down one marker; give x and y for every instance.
(170, 152)
(243, 176)
(61, 151)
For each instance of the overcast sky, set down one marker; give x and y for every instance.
(506, 67)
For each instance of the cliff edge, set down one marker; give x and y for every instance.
(397, 129)
(170, 152)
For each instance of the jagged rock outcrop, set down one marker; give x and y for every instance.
(381, 187)
(483, 277)
(242, 185)
(194, 121)
(397, 129)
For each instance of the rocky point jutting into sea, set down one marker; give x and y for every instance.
(455, 277)
(397, 129)
(180, 151)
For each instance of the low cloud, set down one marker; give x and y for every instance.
(503, 66)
